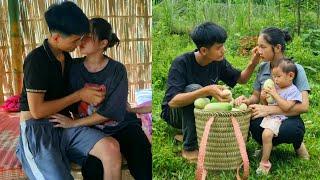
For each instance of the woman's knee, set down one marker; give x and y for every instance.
(291, 131)
(111, 144)
(106, 147)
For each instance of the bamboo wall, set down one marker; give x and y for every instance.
(131, 21)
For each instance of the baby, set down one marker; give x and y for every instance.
(284, 94)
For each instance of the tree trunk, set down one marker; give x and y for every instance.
(16, 49)
(250, 13)
(279, 10)
(2, 73)
(318, 14)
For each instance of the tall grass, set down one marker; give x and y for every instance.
(237, 16)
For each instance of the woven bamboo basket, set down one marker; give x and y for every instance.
(222, 149)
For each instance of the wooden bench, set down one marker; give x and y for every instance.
(125, 173)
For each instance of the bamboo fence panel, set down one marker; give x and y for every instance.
(131, 21)
(17, 46)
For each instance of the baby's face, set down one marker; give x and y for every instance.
(280, 78)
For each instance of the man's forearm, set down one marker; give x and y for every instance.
(47, 108)
(184, 99)
(246, 73)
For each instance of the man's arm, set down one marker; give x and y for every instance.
(247, 72)
(184, 99)
(39, 108)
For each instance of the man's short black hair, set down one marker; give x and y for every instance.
(67, 18)
(207, 34)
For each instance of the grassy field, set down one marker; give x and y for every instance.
(167, 160)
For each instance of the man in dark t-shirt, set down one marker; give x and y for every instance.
(196, 74)
(45, 150)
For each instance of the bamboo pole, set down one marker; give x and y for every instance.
(1, 79)
(16, 46)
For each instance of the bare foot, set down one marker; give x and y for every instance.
(302, 152)
(178, 137)
(191, 156)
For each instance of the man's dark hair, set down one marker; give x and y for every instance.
(67, 18)
(207, 34)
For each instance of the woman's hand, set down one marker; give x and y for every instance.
(63, 121)
(241, 99)
(259, 110)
